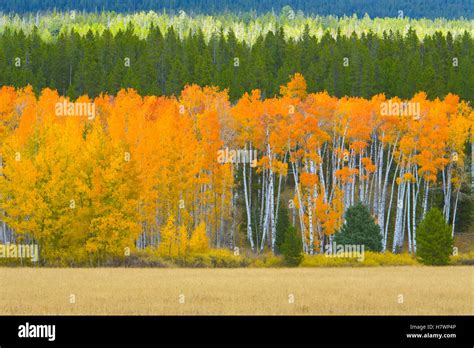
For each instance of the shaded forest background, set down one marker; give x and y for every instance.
(375, 8)
(163, 63)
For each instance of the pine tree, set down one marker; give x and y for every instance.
(360, 229)
(292, 248)
(282, 226)
(434, 239)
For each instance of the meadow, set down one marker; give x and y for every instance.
(405, 290)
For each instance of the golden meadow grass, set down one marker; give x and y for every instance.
(316, 291)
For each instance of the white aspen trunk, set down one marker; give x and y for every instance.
(278, 199)
(268, 194)
(233, 210)
(448, 195)
(352, 184)
(272, 210)
(347, 196)
(221, 227)
(263, 196)
(247, 207)
(310, 223)
(381, 189)
(300, 208)
(280, 177)
(318, 223)
(250, 187)
(312, 198)
(377, 175)
(408, 217)
(396, 230)
(371, 190)
(399, 214)
(366, 181)
(385, 239)
(361, 181)
(266, 221)
(382, 197)
(425, 198)
(334, 167)
(404, 221)
(415, 203)
(443, 176)
(455, 212)
(446, 175)
(321, 177)
(379, 198)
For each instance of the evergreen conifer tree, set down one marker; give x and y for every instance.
(292, 249)
(282, 226)
(360, 229)
(434, 240)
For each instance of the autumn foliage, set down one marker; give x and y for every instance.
(143, 172)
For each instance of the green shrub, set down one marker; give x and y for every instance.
(267, 260)
(214, 258)
(224, 258)
(389, 259)
(466, 259)
(370, 259)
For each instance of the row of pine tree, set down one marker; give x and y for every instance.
(164, 62)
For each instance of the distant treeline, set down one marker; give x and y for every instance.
(375, 8)
(163, 63)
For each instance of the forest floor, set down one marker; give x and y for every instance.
(322, 291)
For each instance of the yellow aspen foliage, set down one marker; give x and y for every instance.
(169, 243)
(296, 88)
(199, 242)
(183, 246)
(112, 234)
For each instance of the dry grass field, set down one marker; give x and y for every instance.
(318, 291)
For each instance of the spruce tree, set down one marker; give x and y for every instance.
(359, 229)
(434, 240)
(292, 248)
(282, 226)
